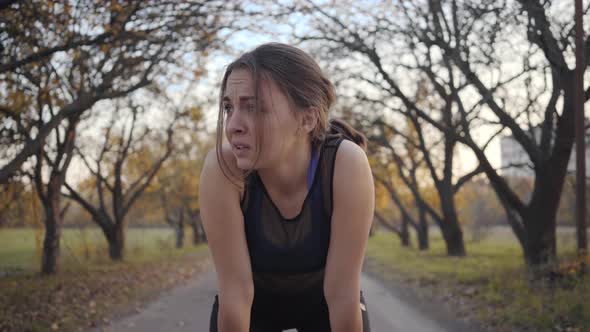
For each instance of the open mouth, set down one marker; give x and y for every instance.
(241, 147)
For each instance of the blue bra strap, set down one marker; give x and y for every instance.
(312, 167)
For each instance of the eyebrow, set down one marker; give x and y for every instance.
(244, 98)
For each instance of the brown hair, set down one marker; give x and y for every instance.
(300, 78)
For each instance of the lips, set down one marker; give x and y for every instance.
(239, 146)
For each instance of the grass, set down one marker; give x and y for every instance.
(86, 247)
(89, 289)
(491, 282)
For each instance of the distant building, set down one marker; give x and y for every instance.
(513, 154)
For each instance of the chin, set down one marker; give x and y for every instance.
(244, 164)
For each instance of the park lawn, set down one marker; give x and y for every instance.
(89, 289)
(490, 285)
(20, 251)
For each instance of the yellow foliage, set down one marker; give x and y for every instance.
(382, 198)
(18, 101)
(87, 184)
(198, 73)
(195, 113)
(116, 7)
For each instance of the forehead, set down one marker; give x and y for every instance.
(239, 81)
(240, 87)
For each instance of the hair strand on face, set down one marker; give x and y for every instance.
(302, 81)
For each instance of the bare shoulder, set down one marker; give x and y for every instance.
(350, 159)
(214, 170)
(353, 186)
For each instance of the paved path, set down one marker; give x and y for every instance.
(187, 308)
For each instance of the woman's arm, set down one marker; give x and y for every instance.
(353, 201)
(219, 200)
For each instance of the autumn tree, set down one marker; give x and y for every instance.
(336, 34)
(499, 67)
(540, 118)
(177, 184)
(130, 156)
(60, 59)
(12, 195)
(387, 176)
(89, 52)
(385, 195)
(419, 147)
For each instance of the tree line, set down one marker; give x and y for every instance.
(68, 69)
(424, 77)
(421, 78)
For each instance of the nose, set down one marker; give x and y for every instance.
(236, 123)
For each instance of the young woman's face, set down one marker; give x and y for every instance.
(277, 122)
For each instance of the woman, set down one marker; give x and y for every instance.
(287, 201)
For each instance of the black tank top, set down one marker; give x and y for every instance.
(288, 256)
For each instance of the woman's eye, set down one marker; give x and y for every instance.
(227, 108)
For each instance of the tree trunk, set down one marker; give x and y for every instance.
(540, 220)
(453, 237)
(422, 229)
(404, 234)
(180, 230)
(116, 239)
(50, 257)
(196, 225)
(196, 232)
(203, 234)
(540, 215)
(450, 228)
(51, 201)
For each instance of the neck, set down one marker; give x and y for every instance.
(289, 175)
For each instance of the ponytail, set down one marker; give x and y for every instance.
(339, 127)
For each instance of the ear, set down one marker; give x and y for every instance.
(309, 119)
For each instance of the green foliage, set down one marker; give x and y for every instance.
(491, 280)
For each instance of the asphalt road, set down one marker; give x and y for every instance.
(187, 308)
